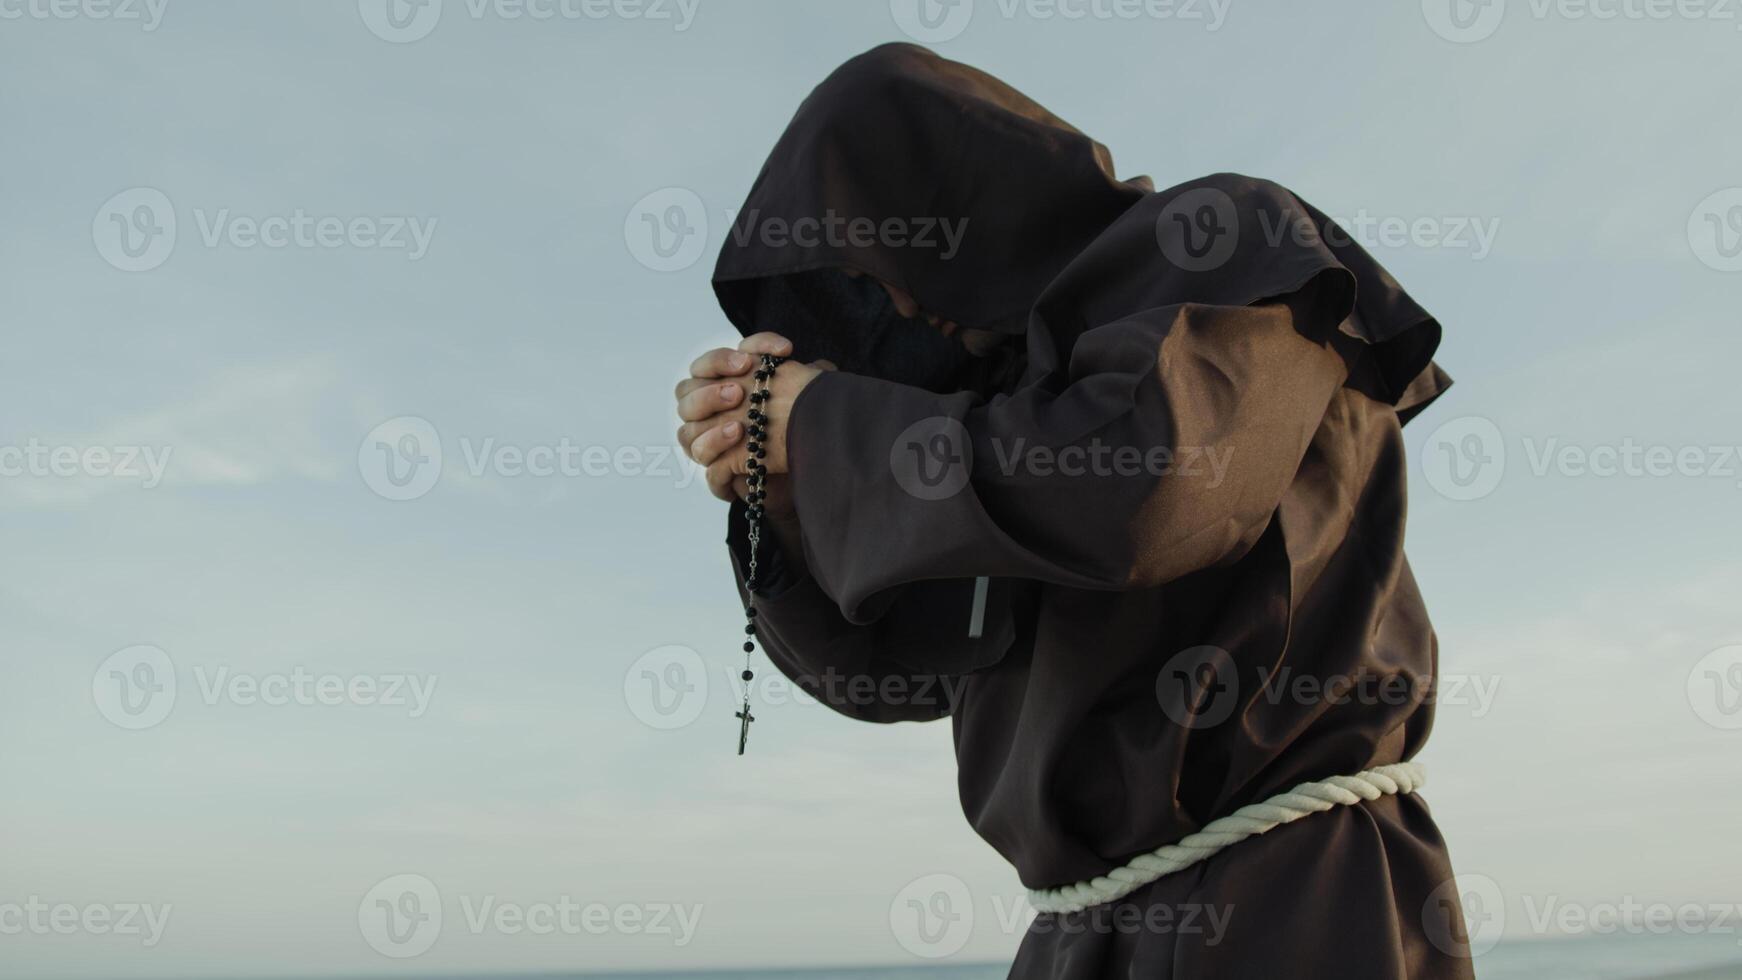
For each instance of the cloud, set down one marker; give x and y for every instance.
(247, 426)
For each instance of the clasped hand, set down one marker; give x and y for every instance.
(713, 402)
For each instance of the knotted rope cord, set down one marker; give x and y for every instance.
(1248, 821)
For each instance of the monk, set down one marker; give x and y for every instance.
(1114, 479)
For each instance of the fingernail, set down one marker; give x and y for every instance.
(729, 392)
(732, 430)
(740, 361)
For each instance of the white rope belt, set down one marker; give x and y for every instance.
(1248, 821)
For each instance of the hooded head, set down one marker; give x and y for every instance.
(928, 176)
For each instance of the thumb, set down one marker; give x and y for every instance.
(766, 342)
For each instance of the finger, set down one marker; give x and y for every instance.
(720, 478)
(766, 342)
(708, 446)
(721, 362)
(689, 432)
(824, 364)
(740, 486)
(688, 385)
(709, 400)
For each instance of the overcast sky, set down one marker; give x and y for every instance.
(260, 263)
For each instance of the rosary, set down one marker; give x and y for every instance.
(757, 480)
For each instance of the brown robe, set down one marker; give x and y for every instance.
(1209, 606)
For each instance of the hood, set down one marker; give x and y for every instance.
(927, 174)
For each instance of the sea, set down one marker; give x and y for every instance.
(1620, 956)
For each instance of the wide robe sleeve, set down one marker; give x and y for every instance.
(1163, 447)
(904, 666)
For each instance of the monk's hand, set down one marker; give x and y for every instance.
(732, 462)
(713, 404)
(711, 401)
(784, 387)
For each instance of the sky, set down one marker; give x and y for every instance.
(358, 617)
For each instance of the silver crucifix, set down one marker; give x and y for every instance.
(744, 726)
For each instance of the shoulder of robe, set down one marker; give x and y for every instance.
(1234, 239)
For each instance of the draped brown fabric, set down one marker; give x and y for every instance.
(1189, 506)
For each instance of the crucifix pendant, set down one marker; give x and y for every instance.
(744, 725)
